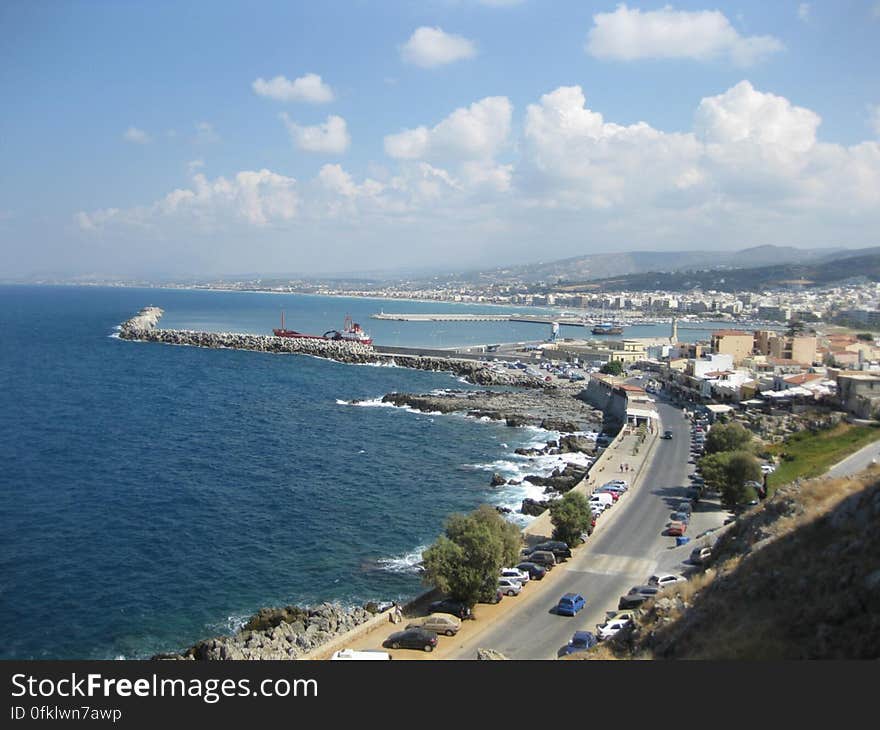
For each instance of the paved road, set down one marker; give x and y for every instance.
(612, 561)
(853, 463)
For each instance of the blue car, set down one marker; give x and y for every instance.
(581, 641)
(570, 604)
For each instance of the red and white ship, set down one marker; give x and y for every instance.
(351, 332)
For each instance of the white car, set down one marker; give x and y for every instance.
(611, 628)
(768, 468)
(509, 587)
(514, 574)
(602, 499)
(665, 579)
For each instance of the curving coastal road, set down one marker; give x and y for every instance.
(622, 554)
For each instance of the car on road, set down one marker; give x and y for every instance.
(665, 579)
(412, 639)
(509, 587)
(439, 623)
(611, 487)
(667, 435)
(535, 571)
(560, 550)
(450, 606)
(543, 557)
(611, 628)
(614, 495)
(637, 596)
(700, 555)
(570, 604)
(581, 641)
(516, 574)
(684, 506)
(676, 529)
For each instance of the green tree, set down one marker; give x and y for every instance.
(713, 469)
(465, 561)
(865, 337)
(728, 437)
(571, 517)
(612, 367)
(742, 467)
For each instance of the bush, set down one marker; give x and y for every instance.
(614, 367)
(571, 517)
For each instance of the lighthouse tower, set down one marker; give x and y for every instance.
(673, 337)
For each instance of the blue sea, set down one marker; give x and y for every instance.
(152, 495)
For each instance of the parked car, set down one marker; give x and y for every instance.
(601, 499)
(412, 639)
(611, 628)
(516, 574)
(631, 600)
(544, 558)
(620, 482)
(535, 571)
(681, 517)
(676, 529)
(627, 615)
(614, 495)
(440, 623)
(510, 587)
(612, 487)
(700, 555)
(684, 506)
(570, 604)
(559, 549)
(665, 579)
(450, 606)
(366, 654)
(581, 641)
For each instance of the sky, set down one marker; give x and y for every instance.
(301, 138)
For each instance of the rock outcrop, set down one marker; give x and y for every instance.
(279, 633)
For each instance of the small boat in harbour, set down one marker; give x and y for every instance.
(607, 329)
(351, 332)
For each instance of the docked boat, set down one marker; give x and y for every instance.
(351, 332)
(607, 329)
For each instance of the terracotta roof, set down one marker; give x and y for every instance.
(802, 378)
(631, 388)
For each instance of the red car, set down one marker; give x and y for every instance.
(676, 528)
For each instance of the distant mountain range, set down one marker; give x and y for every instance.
(862, 265)
(604, 265)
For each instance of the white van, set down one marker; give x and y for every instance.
(367, 654)
(601, 499)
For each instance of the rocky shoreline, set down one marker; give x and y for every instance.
(552, 410)
(143, 328)
(280, 633)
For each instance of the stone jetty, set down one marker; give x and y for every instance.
(143, 327)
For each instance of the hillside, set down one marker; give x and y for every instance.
(622, 263)
(820, 273)
(797, 577)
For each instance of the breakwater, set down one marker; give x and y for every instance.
(143, 327)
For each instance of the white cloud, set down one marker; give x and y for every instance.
(431, 47)
(194, 165)
(309, 88)
(803, 12)
(469, 133)
(259, 198)
(331, 137)
(751, 169)
(743, 114)
(138, 136)
(629, 35)
(206, 134)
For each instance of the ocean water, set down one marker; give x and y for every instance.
(152, 496)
